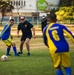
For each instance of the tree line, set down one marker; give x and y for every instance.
(5, 7)
(65, 11)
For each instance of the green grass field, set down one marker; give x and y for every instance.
(39, 63)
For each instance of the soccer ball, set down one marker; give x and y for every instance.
(4, 58)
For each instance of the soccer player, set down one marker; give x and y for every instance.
(6, 37)
(55, 40)
(25, 27)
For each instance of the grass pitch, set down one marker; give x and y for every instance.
(39, 63)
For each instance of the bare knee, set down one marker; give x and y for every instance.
(22, 42)
(27, 41)
(13, 44)
(58, 67)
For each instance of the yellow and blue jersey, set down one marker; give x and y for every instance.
(54, 37)
(5, 32)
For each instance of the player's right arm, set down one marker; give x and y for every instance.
(18, 29)
(44, 35)
(3, 31)
(17, 33)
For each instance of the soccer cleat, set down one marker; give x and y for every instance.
(8, 54)
(20, 53)
(28, 54)
(17, 55)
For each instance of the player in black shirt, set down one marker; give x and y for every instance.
(25, 28)
(43, 22)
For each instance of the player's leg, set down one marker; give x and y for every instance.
(8, 44)
(21, 44)
(59, 71)
(8, 51)
(27, 45)
(56, 58)
(68, 70)
(14, 49)
(21, 47)
(66, 62)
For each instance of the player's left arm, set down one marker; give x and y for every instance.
(33, 29)
(68, 33)
(11, 36)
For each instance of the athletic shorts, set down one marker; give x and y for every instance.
(8, 42)
(61, 59)
(24, 37)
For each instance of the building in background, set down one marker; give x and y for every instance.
(30, 9)
(25, 8)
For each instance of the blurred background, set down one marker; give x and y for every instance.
(33, 10)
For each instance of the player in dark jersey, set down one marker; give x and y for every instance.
(25, 28)
(59, 49)
(43, 22)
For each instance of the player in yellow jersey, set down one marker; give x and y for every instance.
(59, 49)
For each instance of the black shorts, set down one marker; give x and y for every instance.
(24, 37)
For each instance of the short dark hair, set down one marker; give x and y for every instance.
(11, 19)
(53, 17)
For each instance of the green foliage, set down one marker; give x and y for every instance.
(54, 10)
(66, 3)
(5, 7)
(65, 13)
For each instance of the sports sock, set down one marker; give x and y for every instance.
(59, 72)
(8, 50)
(14, 49)
(68, 71)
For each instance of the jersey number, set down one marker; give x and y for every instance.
(55, 35)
